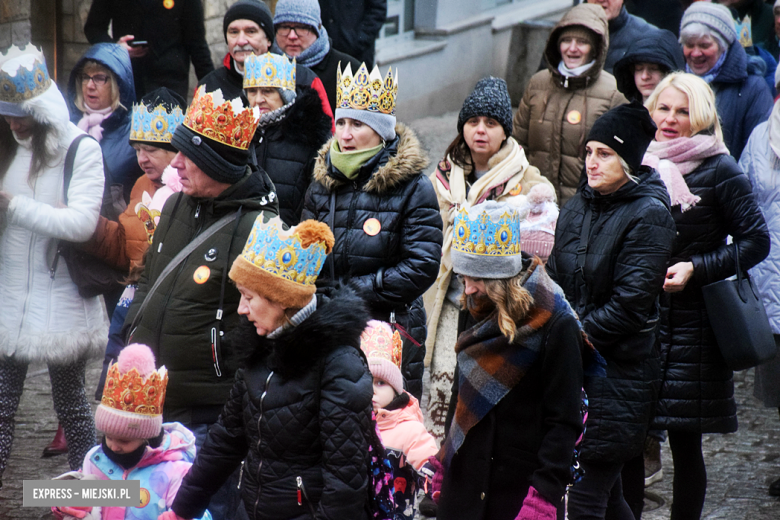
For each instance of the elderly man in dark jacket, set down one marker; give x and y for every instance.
(174, 34)
(354, 30)
(624, 28)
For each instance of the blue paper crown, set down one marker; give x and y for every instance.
(269, 70)
(156, 126)
(25, 83)
(485, 237)
(280, 253)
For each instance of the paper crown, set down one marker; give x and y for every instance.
(226, 122)
(365, 91)
(744, 31)
(154, 124)
(269, 70)
(379, 341)
(482, 236)
(23, 74)
(130, 392)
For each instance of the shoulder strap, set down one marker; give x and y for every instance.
(184, 253)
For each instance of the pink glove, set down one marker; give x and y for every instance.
(74, 512)
(170, 515)
(536, 507)
(438, 478)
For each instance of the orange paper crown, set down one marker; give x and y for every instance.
(377, 341)
(227, 122)
(130, 393)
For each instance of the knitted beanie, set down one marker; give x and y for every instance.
(383, 349)
(133, 396)
(627, 129)
(170, 101)
(489, 98)
(254, 10)
(715, 16)
(579, 31)
(382, 124)
(306, 12)
(486, 241)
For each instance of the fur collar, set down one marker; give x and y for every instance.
(339, 320)
(404, 159)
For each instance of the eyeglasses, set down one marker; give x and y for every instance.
(300, 30)
(98, 79)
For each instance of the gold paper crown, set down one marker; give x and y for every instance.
(365, 91)
(227, 122)
(23, 74)
(131, 393)
(376, 341)
(269, 70)
(744, 31)
(484, 237)
(154, 125)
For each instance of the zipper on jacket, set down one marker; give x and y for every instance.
(260, 438)
(241, 471)
(197, 208)
(348, 230)
(29, 282)
(302, 489)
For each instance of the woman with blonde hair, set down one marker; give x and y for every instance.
(711, 199)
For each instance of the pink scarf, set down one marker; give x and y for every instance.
(91, 121)
(676, 158)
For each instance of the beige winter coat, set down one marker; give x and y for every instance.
(556, 113)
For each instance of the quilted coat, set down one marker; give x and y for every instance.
(697, 393)
(299, 415)
(556, 113)
(286, 150)
(178, 321)
(624, 29)
(118, 156)
(43, 317)
(630, 242)
(396, 265)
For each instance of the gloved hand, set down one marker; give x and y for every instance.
(170, 515)
(438, 478)
(536, 507)
(68, 513)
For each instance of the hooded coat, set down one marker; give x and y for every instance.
(656, 47)
(178, 321)
(299, 416)
(556, 113)
(44, 318)
(697, 392)
(624, 29)
(394, 266)
(742, 98)
(119, 160)
(286, 150)
(628, 249)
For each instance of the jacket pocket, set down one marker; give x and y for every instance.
(303, 496)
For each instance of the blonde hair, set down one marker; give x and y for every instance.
(91, 65)
(702, 109)
(512, 301)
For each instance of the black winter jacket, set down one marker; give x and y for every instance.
(354, 26)
(286, 150)
(395, 266)
(327, 68)
(526, 440)
(176, 36)
(300, 409)
(177, 323)
(657, 47)
(697, 393)
(628, 249)
(624, 29)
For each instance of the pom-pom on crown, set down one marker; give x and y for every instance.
(132, 383)
(365, 91)
(23, 74)
(136, 356)
(226, 122)
(269, 70)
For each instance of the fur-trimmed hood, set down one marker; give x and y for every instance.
(397, 163)
(305, 120)
(338, 321)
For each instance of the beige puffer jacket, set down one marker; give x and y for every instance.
(556, 113)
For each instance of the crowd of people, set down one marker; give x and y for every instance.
(267, 270)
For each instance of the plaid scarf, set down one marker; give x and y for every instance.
(490, 366)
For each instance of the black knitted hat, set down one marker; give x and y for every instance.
(254, 10)
(489, 98)
(219, 161)
(169, 100)
(627, 129)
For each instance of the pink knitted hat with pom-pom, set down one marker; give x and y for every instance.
(133, 397)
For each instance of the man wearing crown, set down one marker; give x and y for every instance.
(184, 307)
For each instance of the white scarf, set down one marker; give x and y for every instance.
(576, 71)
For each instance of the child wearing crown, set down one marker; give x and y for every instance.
(399, 419)
(136, 444)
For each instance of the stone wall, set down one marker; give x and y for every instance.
(14, 23)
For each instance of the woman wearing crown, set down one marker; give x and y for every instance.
(299, 413)
(369, 187)
(44, 319)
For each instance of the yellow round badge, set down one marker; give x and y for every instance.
(202, 274)
(574, 117)
(168, 4)
(145, 497)
(372, 227)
